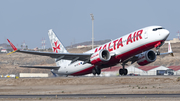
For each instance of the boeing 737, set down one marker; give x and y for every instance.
(133, 47)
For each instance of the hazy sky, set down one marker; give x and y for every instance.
(29, 21)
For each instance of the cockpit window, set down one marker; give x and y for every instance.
(155, 29)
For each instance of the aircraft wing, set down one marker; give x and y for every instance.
(42, 67)
(171, 53)
(67, 56)
(59, 56)
(169, 50)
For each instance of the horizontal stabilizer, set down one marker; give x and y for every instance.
(42, 67)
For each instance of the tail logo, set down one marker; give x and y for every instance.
(56, 47)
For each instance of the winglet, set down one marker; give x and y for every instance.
(170, 49)
(14, 48)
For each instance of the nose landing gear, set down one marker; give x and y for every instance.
(157, 52)
(157, 46)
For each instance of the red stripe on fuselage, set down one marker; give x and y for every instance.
(84, 72)
(115, 60)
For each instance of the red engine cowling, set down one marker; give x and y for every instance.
(146, 57)
(100, 57)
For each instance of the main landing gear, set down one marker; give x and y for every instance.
(123, 71)
(96, 70)
(157, 51)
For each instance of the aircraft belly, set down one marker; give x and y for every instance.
(79, 68)
(74, 68)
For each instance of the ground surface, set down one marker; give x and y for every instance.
(92, 85)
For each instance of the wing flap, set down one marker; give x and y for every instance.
(42, 67)
(59, 56)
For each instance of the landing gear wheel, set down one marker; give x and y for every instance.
(123, 71)
(158, 52)
(98, 70)
(94, 72)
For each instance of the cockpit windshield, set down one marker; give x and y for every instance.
(155, 29)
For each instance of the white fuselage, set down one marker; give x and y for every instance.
(124, 47)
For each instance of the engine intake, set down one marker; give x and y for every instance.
(100, 57)
(146, 57)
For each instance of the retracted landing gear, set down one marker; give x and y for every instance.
(123, 71)
(96, 70)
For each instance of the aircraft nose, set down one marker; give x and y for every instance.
(165, 33)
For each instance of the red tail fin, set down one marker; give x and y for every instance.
(14, 48)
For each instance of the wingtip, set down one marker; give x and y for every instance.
(14, 48)
(169, 47)
(172, 54)
(8, 40)
(11, 52)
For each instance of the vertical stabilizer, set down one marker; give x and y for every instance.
(57, 47)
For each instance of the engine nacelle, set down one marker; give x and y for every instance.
(146, 57)
(100, 57)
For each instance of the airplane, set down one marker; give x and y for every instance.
(133, 47)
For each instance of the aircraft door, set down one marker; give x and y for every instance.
(159, 32)
(146, 34)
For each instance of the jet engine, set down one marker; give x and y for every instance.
(100, 57)
(146, 57)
